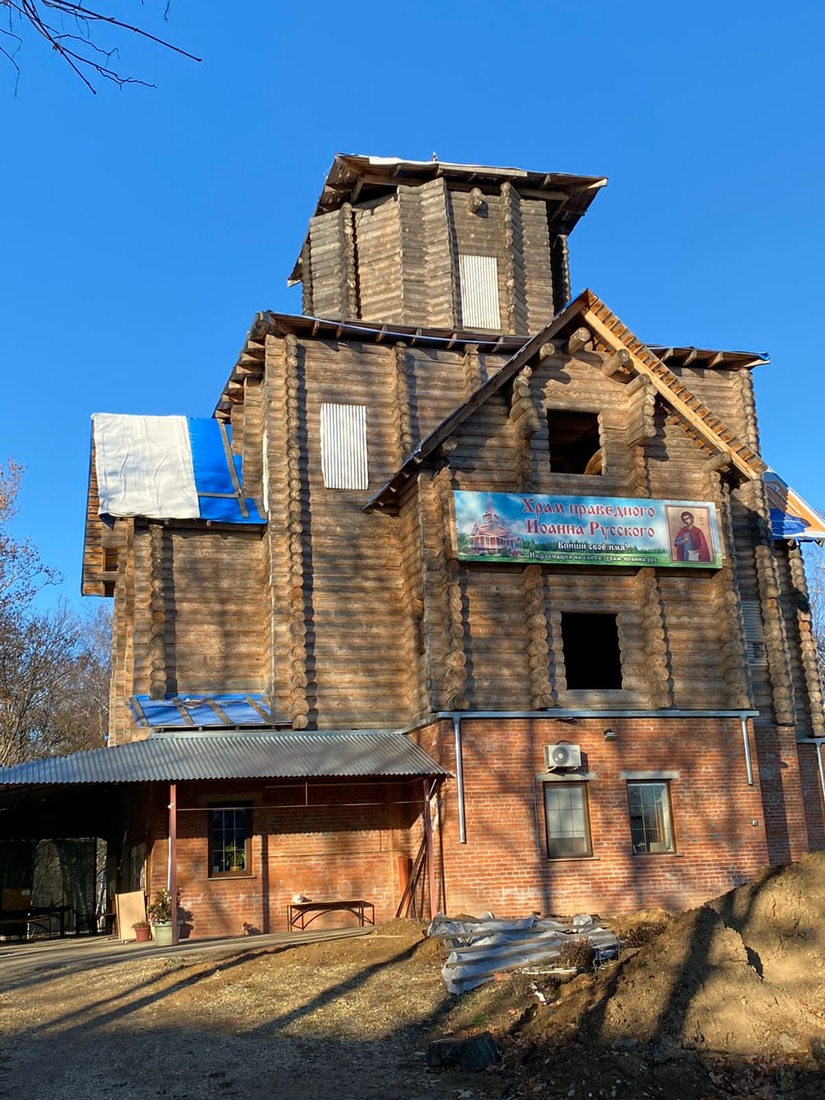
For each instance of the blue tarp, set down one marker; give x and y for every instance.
(202, 710)
(218, 495)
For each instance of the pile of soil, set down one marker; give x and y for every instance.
(727, 1000)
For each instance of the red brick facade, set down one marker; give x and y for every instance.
(355, 844)
(718, 818)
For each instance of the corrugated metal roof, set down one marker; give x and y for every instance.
(204, 710)
(181, 756)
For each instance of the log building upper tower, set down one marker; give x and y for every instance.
(446, 246)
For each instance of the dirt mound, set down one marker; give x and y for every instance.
(724, 1000)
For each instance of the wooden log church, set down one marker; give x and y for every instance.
(465, 599)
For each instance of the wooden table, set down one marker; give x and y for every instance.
(303, 913)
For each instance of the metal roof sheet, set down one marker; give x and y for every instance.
(791, 516)
(182, 756)
(203, 710)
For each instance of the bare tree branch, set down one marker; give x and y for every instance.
(78, 50)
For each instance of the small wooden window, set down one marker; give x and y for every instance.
(344, 462)
(651, 821)
(592, 658)
(230, 840)
(567, 821)
(575, 446)
(109, 559)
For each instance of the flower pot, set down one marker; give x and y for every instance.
(143, 933)
(163, 933)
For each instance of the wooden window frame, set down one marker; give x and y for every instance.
(583, 834)
(640, 836)
(227, 832)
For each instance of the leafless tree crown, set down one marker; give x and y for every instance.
(75, 33)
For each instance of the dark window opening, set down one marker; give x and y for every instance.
(592, 659)
(574, 442)
(566, 820)
(230, 834)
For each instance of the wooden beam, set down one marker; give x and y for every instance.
(679, 397)
(578, 340)
(618, 362)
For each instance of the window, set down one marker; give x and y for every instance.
(344, 446)
(230, 833)
(575, 447)
(592, 660)
(478, 278)
(651, 826)
(566, 820)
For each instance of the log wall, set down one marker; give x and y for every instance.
(395, 259)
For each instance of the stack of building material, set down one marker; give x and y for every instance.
(479, 948)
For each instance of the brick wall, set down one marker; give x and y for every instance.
(358, 839)
(355, 845)
(503, 866)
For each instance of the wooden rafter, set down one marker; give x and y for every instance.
(684, 401)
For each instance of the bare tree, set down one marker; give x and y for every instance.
(76, 33)
(54, 666)
(22, 572)
(815, 570)
(53, 686)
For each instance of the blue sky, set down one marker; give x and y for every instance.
(143, 228)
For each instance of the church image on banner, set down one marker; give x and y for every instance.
(464, 599)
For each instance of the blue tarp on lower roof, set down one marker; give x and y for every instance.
(198, 710)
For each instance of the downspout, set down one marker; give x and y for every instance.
(747, 746)
(459, 780)
(172, 870)
(428, 840)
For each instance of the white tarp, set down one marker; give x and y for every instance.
(479, 948)
(144, 466)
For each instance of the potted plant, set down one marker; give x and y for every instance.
(234, 856)
(160, 917)
(143, 931)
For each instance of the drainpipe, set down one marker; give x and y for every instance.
(172, 870)
(428, 840)
(747, 745)
(459, 780)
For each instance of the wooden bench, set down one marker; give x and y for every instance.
(303, 913)
(41, 919)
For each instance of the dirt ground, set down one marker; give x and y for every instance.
(724, 1001)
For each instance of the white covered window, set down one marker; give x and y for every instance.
(344, 446)
(478, 276)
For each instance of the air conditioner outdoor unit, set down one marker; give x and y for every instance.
(562, 756)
